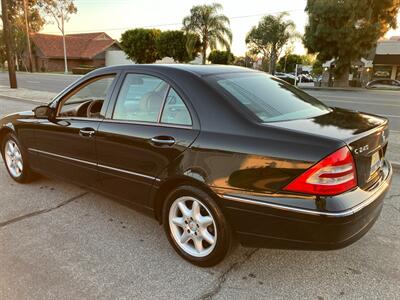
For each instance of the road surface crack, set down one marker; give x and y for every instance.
(392, 196)
(42, 211)
(223, 277)
(394, 207)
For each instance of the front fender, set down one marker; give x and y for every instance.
(21, 125)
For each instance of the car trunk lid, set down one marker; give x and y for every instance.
(366, 136)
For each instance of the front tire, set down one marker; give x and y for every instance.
(196, 227)
(15, 160)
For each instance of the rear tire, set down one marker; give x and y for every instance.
(15, 159)
(196, 227)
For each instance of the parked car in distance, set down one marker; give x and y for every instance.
(214, 153)
(305, 78)
(286, 77)
(383, 84)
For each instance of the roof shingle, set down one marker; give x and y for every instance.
(79, 46)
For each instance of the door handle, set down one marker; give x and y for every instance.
(87, 132)
(162, 140)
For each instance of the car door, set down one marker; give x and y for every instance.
(65, 145)
(149, 126)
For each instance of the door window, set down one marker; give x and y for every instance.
(141, 98)
(175, 110)
(87, 100)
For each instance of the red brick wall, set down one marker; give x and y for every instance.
(57, 65)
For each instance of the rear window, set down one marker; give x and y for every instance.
(269, 98)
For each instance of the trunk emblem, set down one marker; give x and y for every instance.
(361, 149)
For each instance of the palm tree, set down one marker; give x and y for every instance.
(211, 26)
(270, 36)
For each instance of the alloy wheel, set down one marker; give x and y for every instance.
(13, 158)
(192, 226)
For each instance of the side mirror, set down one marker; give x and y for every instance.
(43, 112)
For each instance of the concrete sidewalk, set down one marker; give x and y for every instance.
(22, 94)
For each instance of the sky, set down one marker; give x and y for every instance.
(116, 16)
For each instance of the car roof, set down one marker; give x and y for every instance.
(199, 70)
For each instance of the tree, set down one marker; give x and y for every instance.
(270, 36)
(35, 23)
(291, 60)
(346, 30)
(8, 45)
(317, 68)
(173, 43)
(221, 57)
(211, 26)
(240, 61)
(35, 19)
(60, 11)
(3, 53)
(244, 61)
(289, 48)
(140, 44)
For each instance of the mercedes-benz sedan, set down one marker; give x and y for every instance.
(214, 153)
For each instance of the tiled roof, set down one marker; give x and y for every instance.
(79, 46)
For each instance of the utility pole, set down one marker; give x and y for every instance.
(9, 48)
(64, 46)
(28, 40)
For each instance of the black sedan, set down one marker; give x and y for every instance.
(213, 153)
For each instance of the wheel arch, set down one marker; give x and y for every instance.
(3, 132)
(169, 185)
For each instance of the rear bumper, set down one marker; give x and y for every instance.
(262, 223)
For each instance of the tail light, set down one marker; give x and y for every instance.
(333, 175)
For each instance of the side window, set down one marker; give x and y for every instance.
(175, 110)
(140, 98)
(87, 100)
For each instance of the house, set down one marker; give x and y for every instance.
(387, 59)
(84, 49)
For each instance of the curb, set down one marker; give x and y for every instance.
(44, 73)
(317, 88)
(22, 99)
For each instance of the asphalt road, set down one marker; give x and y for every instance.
(59, 241)
(40, 81)
(384, 103)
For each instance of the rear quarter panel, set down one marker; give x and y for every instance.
(262, 160)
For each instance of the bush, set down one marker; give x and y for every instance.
(140, 44)
(221, 57)
(174, 43)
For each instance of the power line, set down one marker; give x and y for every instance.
(176, 24)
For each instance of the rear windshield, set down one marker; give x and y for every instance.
(267, 97)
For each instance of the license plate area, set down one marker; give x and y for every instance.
(376, 164)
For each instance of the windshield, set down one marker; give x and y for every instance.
(269, 98)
